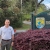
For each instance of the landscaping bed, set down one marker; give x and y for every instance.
(33, 40)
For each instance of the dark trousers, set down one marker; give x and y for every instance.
(5, 44)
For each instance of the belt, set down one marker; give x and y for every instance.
(6, 40)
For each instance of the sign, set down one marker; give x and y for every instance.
(40, 22)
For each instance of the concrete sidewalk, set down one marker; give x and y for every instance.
(20, 31)
(27, 22)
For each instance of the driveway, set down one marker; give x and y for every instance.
(27, 22)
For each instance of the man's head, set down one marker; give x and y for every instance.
(7, 22)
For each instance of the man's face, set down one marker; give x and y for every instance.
(7, 22)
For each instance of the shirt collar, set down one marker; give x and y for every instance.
(5, 27)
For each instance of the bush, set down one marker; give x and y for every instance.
(16, 19)
(33, 40)
(7, 11)
(27, 17)
(1, 17)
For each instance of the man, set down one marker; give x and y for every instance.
(7, 35)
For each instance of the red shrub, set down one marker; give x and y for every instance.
(33, 40)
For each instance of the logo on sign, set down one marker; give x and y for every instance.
(40, 22)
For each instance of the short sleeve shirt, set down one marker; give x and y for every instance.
(6, 33)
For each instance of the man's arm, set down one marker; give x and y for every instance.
(12, 37)
(12, 40)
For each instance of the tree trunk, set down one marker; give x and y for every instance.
(36, 3)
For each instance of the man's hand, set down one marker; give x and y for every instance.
(12, 43)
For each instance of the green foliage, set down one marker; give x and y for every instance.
(4, 3)
(12, 14)
(27, 5)
(11, 9)
(17, 22)
(27, 17)
(16, 19)
(1, 15)
(41, 8)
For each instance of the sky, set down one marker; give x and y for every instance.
(47, 3)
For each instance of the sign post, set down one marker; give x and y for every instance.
(41, 20)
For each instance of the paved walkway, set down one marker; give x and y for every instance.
(21, 31)
(26, 22)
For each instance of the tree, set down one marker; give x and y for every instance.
(40, 2)
(12, 14)
(28, 5)
(41, 8)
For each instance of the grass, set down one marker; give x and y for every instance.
(27, 16)
(11, 48)
(25, 26)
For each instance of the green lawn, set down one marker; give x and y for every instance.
(27, 17)
(25, 26)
